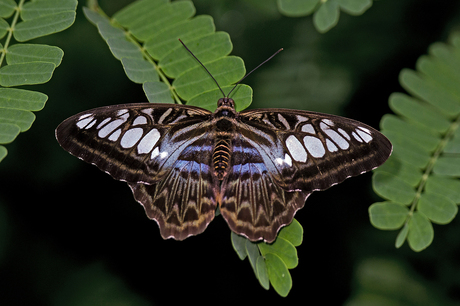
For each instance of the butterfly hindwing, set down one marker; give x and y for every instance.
(184, 201)
(312, 151)
(251, 202)
(136, 143)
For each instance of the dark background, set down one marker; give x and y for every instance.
(71, 235)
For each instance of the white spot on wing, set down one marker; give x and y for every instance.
(335, 137)
(103, 122)
(164, 116)
(314, 146)
(301, 118)
(364, 133)
(90, 124)
(114, 136)
(296, 149)
(140, 120)
(131, 137)
(328, 122)
(84, 120)
(121, 112)
(288, 160)
(84, 116)
(283, 121)
(110, 127)
(155, 153)
(356, 137)
(345, 134)
(308, 128)
(331, 146)
(148, 141)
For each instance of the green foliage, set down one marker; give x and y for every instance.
(27, 64)
(271, 262)
(325, 12)
(152, 55)
(421, 178)
(379, 281)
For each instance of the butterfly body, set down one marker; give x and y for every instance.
(259, 166)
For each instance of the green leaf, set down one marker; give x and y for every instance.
(120, 48)
(407, 150)
(3, 152)
(292, 233)
(278, 274)
(283, 249)
(189, 30)
(3, 27)
(8, 132)
(139, 70)
(26, 74)
(420, 136)
(414, 110)
(446, 186)
(148, 17)
(355, 7)
(253, 254)
(448, 165)
(420, 233)
(239, 245)
(427, 91)
(21, 118)
(27, 53)
(296, 8)
(405, 171)
(437, 208)
(393, 188)
(157, 92)
(226, 71)
(327, 16)
(43, 26)
(262, 272)
(7, 8)
(37, 9)
(208, 48)
(402, 236)
(327, 11)
(388, 215)
(22, 99)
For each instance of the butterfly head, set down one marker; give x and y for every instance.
(226, 102)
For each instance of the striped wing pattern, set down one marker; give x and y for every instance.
(259, 166)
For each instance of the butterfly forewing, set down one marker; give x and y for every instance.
(312, 151)
(137, 143)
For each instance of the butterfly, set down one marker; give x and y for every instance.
(258, 166)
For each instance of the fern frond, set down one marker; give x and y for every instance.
(27, 64)
(420, 181)
(145, 35)
(325, 13)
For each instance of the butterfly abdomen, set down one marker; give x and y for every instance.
(221, 157)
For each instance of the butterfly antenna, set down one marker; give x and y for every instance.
(239, 80)
(254, 70)
(203, 67)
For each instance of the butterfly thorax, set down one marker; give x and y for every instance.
(223, 117)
